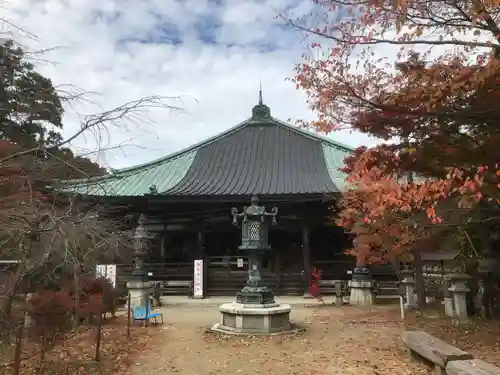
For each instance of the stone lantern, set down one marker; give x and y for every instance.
(255, 310)
(138, 285)
(254, 241)
(361, 284)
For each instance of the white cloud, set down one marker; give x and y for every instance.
(124, 49)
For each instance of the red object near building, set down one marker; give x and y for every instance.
(314, 288)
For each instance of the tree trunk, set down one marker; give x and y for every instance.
(7, 294)
(488, 295)
(76, 285)
(6, 306)
(361, 256)
(396, 264)
(419, 278)
(360, 263)
(473, 285)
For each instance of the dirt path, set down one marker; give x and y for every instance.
(338, 341)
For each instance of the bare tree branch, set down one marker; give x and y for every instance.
(97, 122)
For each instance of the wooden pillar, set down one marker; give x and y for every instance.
(163, 247)
(200, 247)
(306, 255)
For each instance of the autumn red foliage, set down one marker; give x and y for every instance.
(431, 103)
(314, 287)
(51, 312)
(98, 296)
(93, 296)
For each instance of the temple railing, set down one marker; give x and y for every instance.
(332, 269)
(338, 270)
(159, 271)
(230, 263)
(223, 276)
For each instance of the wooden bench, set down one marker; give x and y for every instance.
(471, 367)
(433, 351)
(387, 288)
(327, 286)
(332, 287)
(178, 287)
(156, 293)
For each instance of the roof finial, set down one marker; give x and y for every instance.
(261, 111)
(260, 93)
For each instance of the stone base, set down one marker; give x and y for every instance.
(461, 322)
(361, 293)
(139, 292)
(448, 307)
(410, 307)
(411, 303)
(254, 319)
(257, 296)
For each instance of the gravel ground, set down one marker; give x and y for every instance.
(337, 341)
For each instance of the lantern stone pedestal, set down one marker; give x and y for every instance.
(361, 287)
(253, 319)
(255, 311)
(139, 292)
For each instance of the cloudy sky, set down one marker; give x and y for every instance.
(211, 54)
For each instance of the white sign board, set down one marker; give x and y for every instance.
(100, 270)
(111, 274)
(108, 271)
(239, 262)
(198, 279)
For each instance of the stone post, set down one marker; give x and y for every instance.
(139, 286)
(361, 287)
(338, 293)
(409, 288)
(28, 320)
(448, 298)
(459, 290)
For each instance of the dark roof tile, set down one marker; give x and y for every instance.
(262, 159)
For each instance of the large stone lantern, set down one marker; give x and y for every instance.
(254, 241)
(255, 310)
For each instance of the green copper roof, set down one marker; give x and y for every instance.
(334, 157)
(262, 156)
(161, 175)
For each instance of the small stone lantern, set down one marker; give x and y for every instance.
(459, 291)
(138, 285)
(254, 241)
(409, 286)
